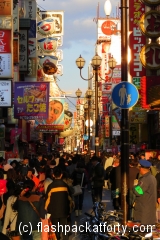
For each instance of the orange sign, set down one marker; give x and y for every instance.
(5, 7)
(107, 126)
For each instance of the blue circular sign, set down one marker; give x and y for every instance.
(125, 95)
(85, 137)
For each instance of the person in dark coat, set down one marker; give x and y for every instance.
(145, 191)
(24, 166)
(97, 179)
(57, 203)
(79, 177)
(115, 180)
(133, 174)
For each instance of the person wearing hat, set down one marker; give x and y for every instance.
(145, 190)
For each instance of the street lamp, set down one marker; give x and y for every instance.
(96, 62)
(89, 94)
(107, 8)
(78, 93)
(87, 107)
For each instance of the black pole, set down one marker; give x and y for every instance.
(89, 106)
(124, 119)
(96, 113)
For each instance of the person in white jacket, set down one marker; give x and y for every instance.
(10, 215)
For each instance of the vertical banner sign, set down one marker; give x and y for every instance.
(107, 126)
(23, 51)
(15, 34)
(31, 12)
(5, 54)
(136, 39)
(6, 9)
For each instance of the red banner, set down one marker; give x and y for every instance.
(136, 39)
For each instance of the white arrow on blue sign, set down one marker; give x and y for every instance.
(125, 95)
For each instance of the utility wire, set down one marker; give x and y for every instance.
(65, 96)
(41, 7)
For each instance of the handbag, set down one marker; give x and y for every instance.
(78, 188)
(13, 235)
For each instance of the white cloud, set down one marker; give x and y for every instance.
(83, 22)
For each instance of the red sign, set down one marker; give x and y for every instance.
(5, 41)
(144, 94)
(136, 39)
(109, 27)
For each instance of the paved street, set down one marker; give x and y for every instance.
(87, 206)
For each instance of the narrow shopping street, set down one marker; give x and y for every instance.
(87, 207)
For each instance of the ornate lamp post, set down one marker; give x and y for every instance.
(89, 94)
(96, 62)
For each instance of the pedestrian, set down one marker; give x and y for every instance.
(145, 191)
(79, 177)
(115, 180)
(24, 166)
(97, 179)
(30, 209)
(133, 174)
(58, 198)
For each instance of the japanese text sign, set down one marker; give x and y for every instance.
(5, 93)
(136, 39)
(107, 126)
(31, 100)
(5, 7)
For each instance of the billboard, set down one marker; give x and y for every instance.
(55, 120)
(31, 100)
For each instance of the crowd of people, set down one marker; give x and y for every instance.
(43, 187)
(143, 195)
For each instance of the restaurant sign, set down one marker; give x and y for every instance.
(31, 100)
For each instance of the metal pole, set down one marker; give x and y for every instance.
(96, 113)
(89, 105)
(124, 120)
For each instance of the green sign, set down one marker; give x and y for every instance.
(137, 82)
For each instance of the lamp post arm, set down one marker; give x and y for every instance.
(107, 75)
(86, 79)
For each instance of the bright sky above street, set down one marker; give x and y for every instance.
(80, 33)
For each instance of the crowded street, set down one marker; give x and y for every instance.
(79, 120)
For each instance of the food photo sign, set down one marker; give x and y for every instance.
(31, 100)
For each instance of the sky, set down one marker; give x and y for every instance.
(80, 35)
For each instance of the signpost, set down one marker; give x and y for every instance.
(125, 95)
